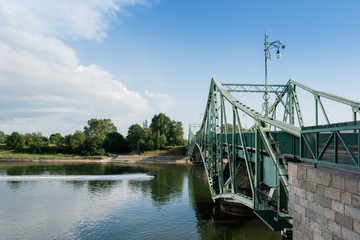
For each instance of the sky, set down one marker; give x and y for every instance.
(65, 62)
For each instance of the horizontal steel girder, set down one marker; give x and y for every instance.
(293, 130)
(254, 88)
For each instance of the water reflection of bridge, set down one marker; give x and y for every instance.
(248, 166)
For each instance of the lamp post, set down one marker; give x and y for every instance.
(268, 46)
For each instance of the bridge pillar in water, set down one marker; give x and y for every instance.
(324, 202)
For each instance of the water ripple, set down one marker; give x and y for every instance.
(137, 176)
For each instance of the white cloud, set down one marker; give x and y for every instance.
(164, 101)
(42, 85)
(87, 19)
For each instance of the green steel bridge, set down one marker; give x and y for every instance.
(248, 166)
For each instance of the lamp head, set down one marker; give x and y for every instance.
(278, 54)
(283, 46)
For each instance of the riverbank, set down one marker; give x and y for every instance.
(125, 159)
(170, 155)
(152, 159)
(65, 159)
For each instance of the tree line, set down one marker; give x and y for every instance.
(100, 136)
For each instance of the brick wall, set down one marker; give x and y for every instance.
(324, 202)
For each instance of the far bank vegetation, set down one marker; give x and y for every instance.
(100, 137)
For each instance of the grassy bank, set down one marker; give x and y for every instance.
(168, 151)
(6, 153)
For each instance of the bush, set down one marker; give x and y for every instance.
(15, 141)
(93, 145)
(75, 142)
(37, 144)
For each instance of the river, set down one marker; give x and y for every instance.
(113, 201)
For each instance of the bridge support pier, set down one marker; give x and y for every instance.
(324, 202)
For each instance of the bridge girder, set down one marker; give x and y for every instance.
(225, 147)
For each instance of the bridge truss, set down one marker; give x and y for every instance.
(248, 166)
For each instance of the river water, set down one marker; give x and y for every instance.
(112, 201)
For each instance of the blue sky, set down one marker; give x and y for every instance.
(64, 62)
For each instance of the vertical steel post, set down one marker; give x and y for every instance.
(227, 136)
(316, 110)
(317, 145)
(354, 111)
(257, 158)
(335, 146)
(233, 185)
(358, 131)
(278, 185)
(215, 131)
(287, 108)
(292, 108)
(354, 116)
(221, 167)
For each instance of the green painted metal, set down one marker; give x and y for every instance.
(249, 166)
(335, 145)
(254, 88)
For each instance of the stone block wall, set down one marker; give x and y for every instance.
(324, 202)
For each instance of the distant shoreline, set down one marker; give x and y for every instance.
(30, 159)
(117, 159)
(152, 159)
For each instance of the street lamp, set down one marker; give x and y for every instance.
(268, 46)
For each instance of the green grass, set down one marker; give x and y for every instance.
(6, 152)
(168, 151)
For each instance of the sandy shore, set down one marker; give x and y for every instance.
(153, 160)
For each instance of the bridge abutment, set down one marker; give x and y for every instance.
(324, 202)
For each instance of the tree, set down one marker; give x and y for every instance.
(37, 144)
(160, 123)
(99, 127)
(115, 143)
(75, 142)
(15, 141)
(176, 133)
(145, 124)
(151, 145)
(155, 136)
(28, 138)
(160, 127)
(162, 141)
(163, 125)
(162, 132)
(93, 145)
(67, 141)
(2, 137)
(141, 146)
(57, 139)
(135, 134)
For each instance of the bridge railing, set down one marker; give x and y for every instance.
(334, 145)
